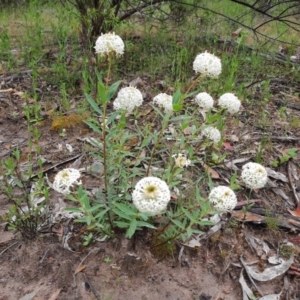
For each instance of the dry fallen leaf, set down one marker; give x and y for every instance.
(295, 212)
(237, 32)
(228, 146)
(214, 174)
(54, 295)
(271, 272)
(80, 269)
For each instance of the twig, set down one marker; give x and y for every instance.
(85, 259)
(292, 185)
(278, 138)
(44, 256)
(15, 76)
(8, 248)
(91, 286)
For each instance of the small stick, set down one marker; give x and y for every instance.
(8, 248)
(85, 259)
(291, 184)
(91, 286)
(44, 255)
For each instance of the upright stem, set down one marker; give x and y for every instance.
(104, 141)
(156, 144)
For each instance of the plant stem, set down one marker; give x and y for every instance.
(104, 142)
(156, 144)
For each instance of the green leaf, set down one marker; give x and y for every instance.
(93, 126)
(177, 107)
(121, 214)
(100, 215)
(206, 223)
(176, 97)
(99, 76)
(86, 220)
(190, 94)
(211, 118)
(73, 209)
(121, 224)
(125, 208)
(95, 207)
(122, 120)
(132, 228)
(187, 213)
(101, 92)
(85, 202)
(178, 224)
(112, 90)
(189, 232)
(145, 224)
(292, 152)
(18, 182)
(93, 104)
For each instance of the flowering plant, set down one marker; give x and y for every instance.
(254, 175)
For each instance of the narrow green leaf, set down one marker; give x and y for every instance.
(121, 214)
(112, 90)
(100, 215)
(178, 224)
(122, 224)
(132, 228)
(18, 182)
(86, 220)
(206, 223)
(101, 93)
(190, 94)
(176, 98)
(95, 207)
(93, 104)
(99, 76)
(189, 232)
(145, 224)
(188, 214)
(125, 208)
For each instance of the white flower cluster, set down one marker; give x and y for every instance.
(164, 100)
(65, 179)
(109, 43)
(254, 175)
(230, 102)
(223, 198)
(212, 133)
(207, 64)
(128, 98)
(151, 195)
(181, 160)
(204, 100)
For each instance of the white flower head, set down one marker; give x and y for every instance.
(223, 198)
(109, 43)
(230, 102)
(128, 98)
(65, 179)
(254, 175)
(164, 100)
(207, 64)
(151, 195)
(212, 133)
(204, 100)
(181, 160)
